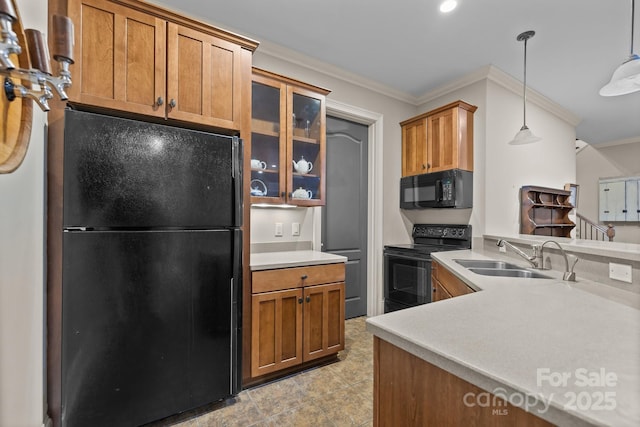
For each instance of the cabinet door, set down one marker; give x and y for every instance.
(439, 292)
(120, 57)
(276, 331)
(442, 140)
(323, 320)
(632, 190)
(306, 131)
(414, 148)
(612, 201)
(268, 140)
(204, 78)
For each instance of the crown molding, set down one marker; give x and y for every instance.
(302, 60)
(488, 72)
(499, 77)
(632, 140)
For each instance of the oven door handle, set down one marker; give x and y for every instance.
(426, 259)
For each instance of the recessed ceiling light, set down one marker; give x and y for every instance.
(448, 5)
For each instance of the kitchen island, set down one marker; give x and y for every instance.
(548, 347)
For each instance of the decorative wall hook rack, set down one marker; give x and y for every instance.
(39, 79)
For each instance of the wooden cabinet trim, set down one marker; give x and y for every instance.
(190, 22)
(269, 75)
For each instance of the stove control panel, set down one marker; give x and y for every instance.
(443, 231)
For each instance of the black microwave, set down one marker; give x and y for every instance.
(451, 188)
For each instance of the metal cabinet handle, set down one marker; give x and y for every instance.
(299, 300)
(304, 276)
(308, 298)
(172, 103)
(160, 101)
(424, 166)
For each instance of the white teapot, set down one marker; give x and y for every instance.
(302, 166)
(301, 193)
(257, 164)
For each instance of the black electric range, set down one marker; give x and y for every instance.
(407, 267)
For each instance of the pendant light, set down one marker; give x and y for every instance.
(524, 136)
(626, 78)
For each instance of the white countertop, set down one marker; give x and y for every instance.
(285, 259)
(509, 335)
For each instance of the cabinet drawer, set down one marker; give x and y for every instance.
(297, 277)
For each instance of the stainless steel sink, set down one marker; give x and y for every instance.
(492, 267)
(487, 263)
(509, 272)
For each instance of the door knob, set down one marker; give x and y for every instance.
(172, 103)
(160, 101)
(308, 298)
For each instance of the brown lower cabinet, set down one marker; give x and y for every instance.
(408, 391)
(297, 315)
(445, 285)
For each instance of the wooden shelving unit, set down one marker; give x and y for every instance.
(545, 211)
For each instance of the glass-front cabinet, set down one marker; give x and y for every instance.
(287, 141)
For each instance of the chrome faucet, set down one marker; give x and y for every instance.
(533, 259)
(569, 275)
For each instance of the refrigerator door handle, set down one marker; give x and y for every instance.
(232, 353)
(236, 314)
(236, 173)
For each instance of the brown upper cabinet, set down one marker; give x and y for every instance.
(135, 57)
(438, 140)
(288, 141)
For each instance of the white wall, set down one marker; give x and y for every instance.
(263, 222)
(22, 196)
(547, 163)
(593, 163)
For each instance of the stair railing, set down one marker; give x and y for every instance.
(589, 230)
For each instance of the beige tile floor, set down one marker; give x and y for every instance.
(335, 395)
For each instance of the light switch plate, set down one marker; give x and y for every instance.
(278, 229)
(620, 272)
(295, 228)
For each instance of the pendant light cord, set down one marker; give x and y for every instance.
(524, 90)
(633, 7)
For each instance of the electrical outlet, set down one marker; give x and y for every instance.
(295, 228)
(278, 229)
(620, 272)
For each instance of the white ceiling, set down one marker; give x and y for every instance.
(409, 46)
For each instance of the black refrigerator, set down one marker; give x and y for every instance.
(151, 270)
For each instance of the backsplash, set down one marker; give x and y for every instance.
(591, 267)
(264, 220)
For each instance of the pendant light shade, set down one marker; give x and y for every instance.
(524, 136)
(626, 78)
